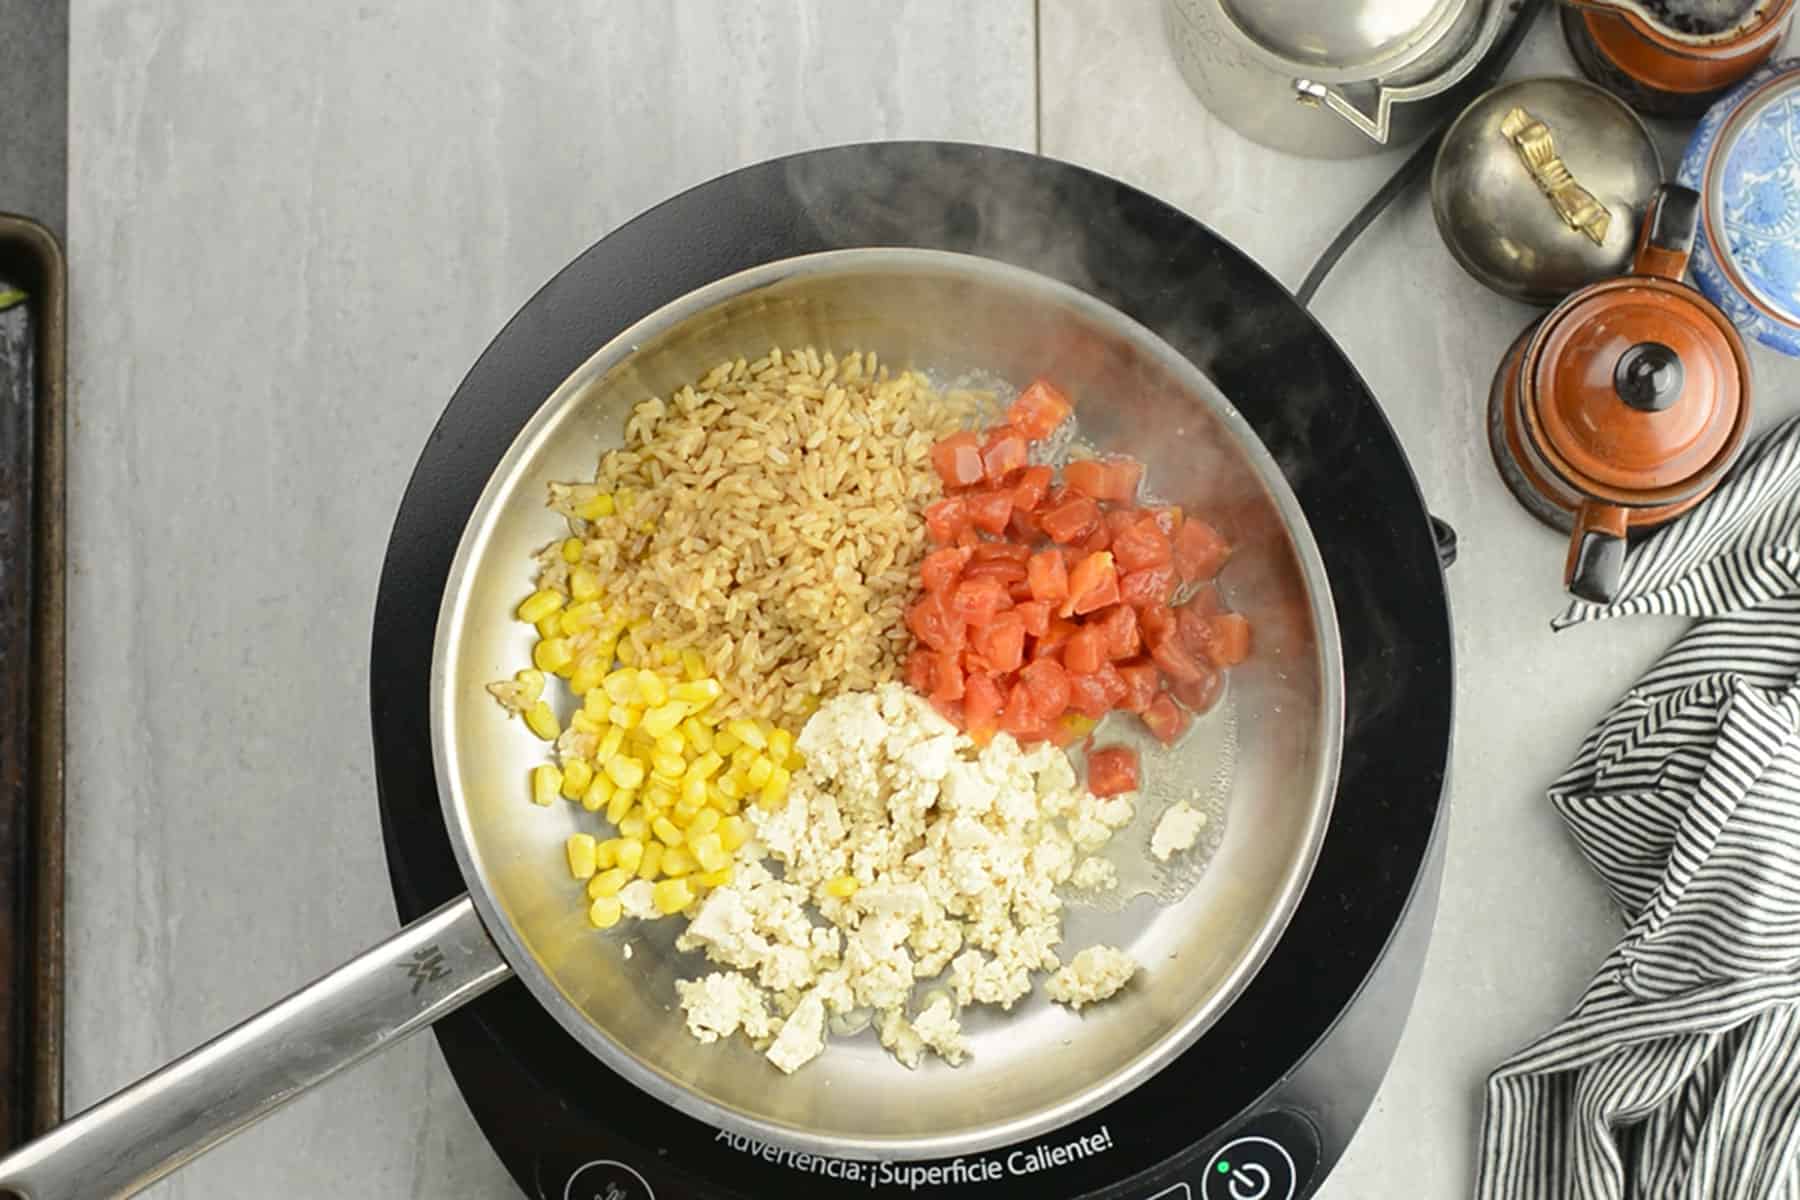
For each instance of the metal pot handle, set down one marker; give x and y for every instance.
(1375, 125)
(138, 1135)
(1596, 553)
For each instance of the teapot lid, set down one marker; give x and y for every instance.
(1638, 386)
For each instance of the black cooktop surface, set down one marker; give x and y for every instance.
(560, 1121)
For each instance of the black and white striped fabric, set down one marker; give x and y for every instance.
(1678, 1073)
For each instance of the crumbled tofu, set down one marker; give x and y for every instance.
(719, 1004)
(939, 1029)
(954, 852)
(1178, 830)
(1095, 875)
(802, 1036)
(636, 901)
(1094, 974)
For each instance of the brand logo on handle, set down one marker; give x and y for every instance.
(427, 966)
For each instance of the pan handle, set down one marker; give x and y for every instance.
(165, 1120)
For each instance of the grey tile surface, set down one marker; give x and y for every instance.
(293, 227)
(34, 108)
(1522, 922)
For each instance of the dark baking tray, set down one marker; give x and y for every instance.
(32, 395)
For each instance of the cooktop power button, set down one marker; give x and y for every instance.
(1251, 1168)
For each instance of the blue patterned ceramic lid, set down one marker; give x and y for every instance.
(1744, 160)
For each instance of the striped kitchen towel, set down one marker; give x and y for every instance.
(1678, 1073)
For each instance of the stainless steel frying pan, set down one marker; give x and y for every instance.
(950, 315)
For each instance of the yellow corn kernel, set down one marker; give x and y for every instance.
(759, 771)
(592, 510)
(597, 703)
(550, 626)
(704, 821)
(539, 605)
(625, 770)
(704, 767)
(628, 654)
(697, 736)
(723, 803)
(584, 584)
(671, 765)
(693, 790)
(650, 866)
(625, 716)
(698, 692)
(571, 550)
(709, 851)
(666, 831)
(725, 744)
(608, 749)
(609, 882)
(717, 879)
(631, 854)
(586, 615)
(577, 774)
(551, 655)
(693, 664)
(747, 733)
(546, 783)
(621, 685)
(671, 896)
(742, 757)
(605, 912)
(533, 682)
(651, 688)
(733, 833)
(599, 792)
(659, 795)
(843, 887)
(634, 825)
(679, 860)
(618, 800)
(686, 810)
(581, 855)
(580, 722)
(730, 787)
(606, 853)
(775, 792)
(662, 720)
(540, 718)
(672, 743)
(781, 744)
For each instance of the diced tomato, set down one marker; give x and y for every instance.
(1112, 685)
(1098, 540)
(1142, 683)
(967, 536)
(1039, 409)
(921, 666)
(1199, 695)
(989, 511)
(1200, 550)
(1086, 477)
(1019, 717)
(1070, 521)
(942, 568)
(1003, 455)
(946, 518)
(1165, 720)
(1088, 696)
(958, 460)
(1001, 642)
(1049, 685)
(1112, 770)
(950, 710)
(1031, 487)
(1168, 518)
(977, 600)
(989, 551)
(1141, 545)
(1193, 621)
(1174, 660)
(1086, 651)
(1154, 621)
(947, 678)
(1005, 570)
(981, 707)
(1036, 615)
(1152, 585)
(1230, 640)
(1114, 479)
(1118, 519)
(1049, 577)
(932, 622)
(1022, 526)
(1019, 590)
(1118, 626)
(1056, 639)
(1093, 584)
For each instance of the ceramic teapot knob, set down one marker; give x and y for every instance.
(1648, 377)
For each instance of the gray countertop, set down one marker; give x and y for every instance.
(292, 228)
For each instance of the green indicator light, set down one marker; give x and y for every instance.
(1224, 1167)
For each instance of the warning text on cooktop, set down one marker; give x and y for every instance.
(912, 1176)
